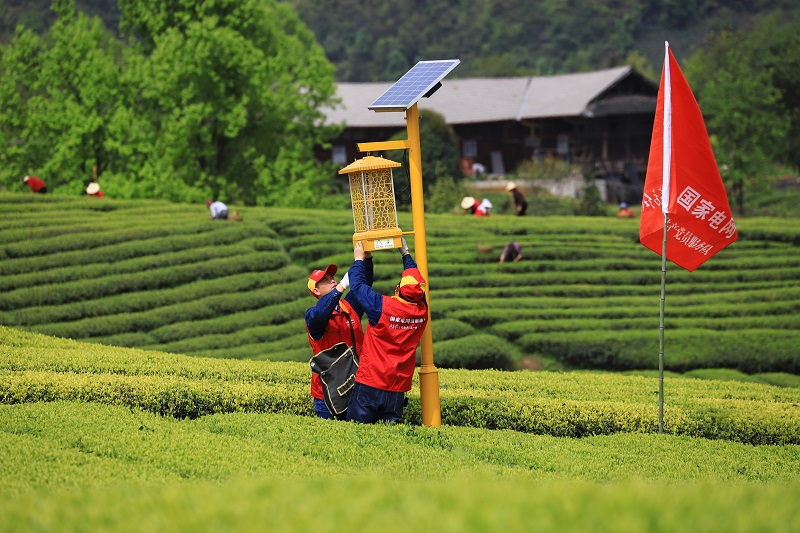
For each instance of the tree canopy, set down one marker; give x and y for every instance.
(747, 83)
(439, 150)
(377, 40)
(216, 98)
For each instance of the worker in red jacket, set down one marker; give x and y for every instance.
(388, 357)
(35, 184)
(474, 207)
(93, 190)
(332, 320)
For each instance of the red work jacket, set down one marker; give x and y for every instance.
(337, 330)
(389, 355)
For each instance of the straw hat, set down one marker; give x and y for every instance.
(26, 178)
(511, 186)
(93, 188)
(467, 202)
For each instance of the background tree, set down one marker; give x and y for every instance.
(377, 40)
(214, 98)
(747, 85)
(232, 90)
(57, 94)
(441, 156)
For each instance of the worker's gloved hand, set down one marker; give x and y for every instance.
(358, 251)
(404, 246)
(345, 280)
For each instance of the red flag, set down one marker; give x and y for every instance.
(683, 180)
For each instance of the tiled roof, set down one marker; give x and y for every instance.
(479, 100)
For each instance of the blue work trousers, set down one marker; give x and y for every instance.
(369, 405)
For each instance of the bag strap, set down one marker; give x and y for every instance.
(352, 333)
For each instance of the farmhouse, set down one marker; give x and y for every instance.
(601, 120)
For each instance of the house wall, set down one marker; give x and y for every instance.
(613, 148)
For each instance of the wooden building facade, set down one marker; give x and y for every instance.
(601, 120)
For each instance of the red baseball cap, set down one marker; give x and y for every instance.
(317, 275)
(412, 285)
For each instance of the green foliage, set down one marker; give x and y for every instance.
(746, 83)
(550, 168)
(57, 95)
(440, 155)
(496, 40)
(474, 352)
(217, 101)
(38, 368)
(164, 277)
(444, 194)
(82, 466)
(591, 204)
(687, 349)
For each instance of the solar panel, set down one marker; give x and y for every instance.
(416, 83)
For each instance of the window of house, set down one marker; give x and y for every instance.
(563, 144)
(469, 148)
(339, 154)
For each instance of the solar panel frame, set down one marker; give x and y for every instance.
(414, 84)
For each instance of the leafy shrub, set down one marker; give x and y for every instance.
(36, 368)
(685, 349)
(474, 352)
(449, 328)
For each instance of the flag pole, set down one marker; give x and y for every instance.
(666, 170)
(661, 328)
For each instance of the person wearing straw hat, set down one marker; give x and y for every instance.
(520, 204)
(474, 207)
(394, 328)
(36, 185)
(93, 190)
(333, 320)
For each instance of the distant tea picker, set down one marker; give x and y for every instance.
(479, 208)
(93, 190)
(36, 185)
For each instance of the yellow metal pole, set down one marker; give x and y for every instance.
(428, 375)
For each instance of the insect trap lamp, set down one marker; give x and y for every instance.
(374, 208)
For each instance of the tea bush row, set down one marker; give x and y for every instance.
(145, 300)
(38, 368)
(274, 311)
(149, 280)
(751, 351)
(489, 315)
(578, 292)
(750, 421)
(513, 329)
(118, 251)
(199, 338)
(474, 352)
(83, 240)
(47, 224)
(468, 276)
(138, 264)
(590, 272)
(192, 312)
(291, 348)
(683, 303)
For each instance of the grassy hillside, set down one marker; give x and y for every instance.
(586, 295)
(97, 438)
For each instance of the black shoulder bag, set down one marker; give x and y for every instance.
(337, 368)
